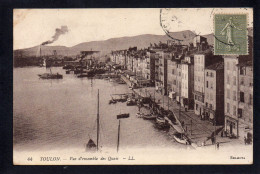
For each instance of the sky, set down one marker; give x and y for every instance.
(31, 27)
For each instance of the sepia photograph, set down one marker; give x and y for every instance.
(138, 86)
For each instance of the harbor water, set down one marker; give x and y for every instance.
(61, 114)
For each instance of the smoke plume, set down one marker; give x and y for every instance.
(58, 32)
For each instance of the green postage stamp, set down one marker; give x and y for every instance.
(230, 31)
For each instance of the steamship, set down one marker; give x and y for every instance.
(49, 75)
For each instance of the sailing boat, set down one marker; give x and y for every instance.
(49, 75)
(91, 144)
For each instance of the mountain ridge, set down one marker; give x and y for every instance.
(120, 43)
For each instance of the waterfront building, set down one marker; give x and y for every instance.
(200, 43)
(187, 82)
(245, 98)
(162, 84)
(173, 68)
(237, 84)
(129, 61)
(135, 64)
(179, 78)
(171, 78)
(214, 93)
(201, 60)
(158, 82)
(151, 57)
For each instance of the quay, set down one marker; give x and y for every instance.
(198, 131)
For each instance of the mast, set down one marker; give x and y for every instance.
(40, 52)
(98, 120)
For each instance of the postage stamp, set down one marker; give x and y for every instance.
(230, 31)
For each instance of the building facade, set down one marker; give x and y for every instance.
(201, 61)
(214, 93)
(245, 96)
(187, 83)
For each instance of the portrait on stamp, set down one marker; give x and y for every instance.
(230, 34)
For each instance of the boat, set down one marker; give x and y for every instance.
(91, 145)
(121, 82)
(79, 71)
(50, 76)
(149, 117)
(177, 126)
(161, 122)
(130, 102)
(112, 101)
(83, 75)
(47, 63)
(139, 115)
(181, 138)
(68, 67)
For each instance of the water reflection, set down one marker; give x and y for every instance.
(56, 114)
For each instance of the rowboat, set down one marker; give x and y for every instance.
(149, 117)
(181, 138)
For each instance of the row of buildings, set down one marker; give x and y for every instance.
(217, 88)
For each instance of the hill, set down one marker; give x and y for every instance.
(106, 46)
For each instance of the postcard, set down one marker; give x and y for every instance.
(133, 86)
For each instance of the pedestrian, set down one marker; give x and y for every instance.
(218, 145)
(245, 139)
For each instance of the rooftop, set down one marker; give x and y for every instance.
(216, 66)
(246, 63)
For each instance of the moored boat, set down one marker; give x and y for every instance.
(112, 101)
(50, 76)
(149, 117)
(181, 138)
(130, 102)
(139, 115)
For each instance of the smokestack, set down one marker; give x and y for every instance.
(58, 32)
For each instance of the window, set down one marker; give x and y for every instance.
(234, 110)
(242, 81)
(228, 94)
(242, 97)
(234, 96)
(228, 109)
(206, 104)
(207, 74)
(196, 106)
(211, 96)
(227, 79)
(211, 74)
(173, 71)
(211, 85)
(240, 113)
(207, 84)
(234, 80)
